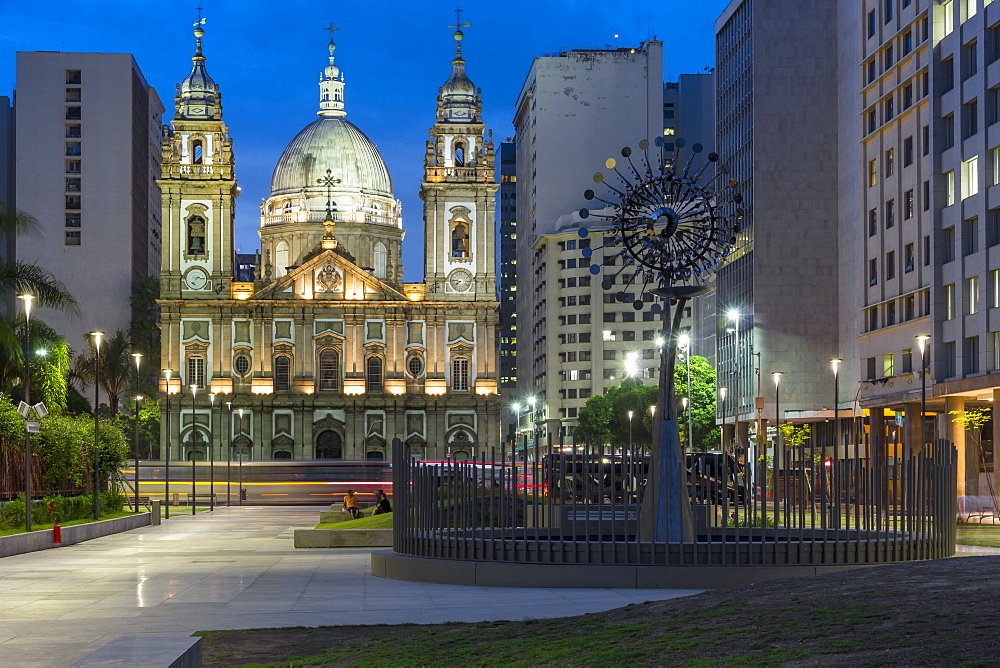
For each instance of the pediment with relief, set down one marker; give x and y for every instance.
(329, 276)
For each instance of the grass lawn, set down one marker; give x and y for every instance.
(383, 521)
(45, 527)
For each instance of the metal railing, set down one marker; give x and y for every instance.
(582, 503)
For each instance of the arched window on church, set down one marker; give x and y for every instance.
(460, 239)
(329, 370)
(196, 235)
(380, 259)
(197, 152)
(459, 154)
(281, 259)
(282, 373)
(373, 375)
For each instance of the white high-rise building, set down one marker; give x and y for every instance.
(87, 154)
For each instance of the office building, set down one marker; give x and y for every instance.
(87, 159)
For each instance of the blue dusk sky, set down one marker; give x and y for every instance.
(267, 57)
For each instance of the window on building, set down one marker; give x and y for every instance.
(907, 42)
(995, 288)
(947, 132)
(329, 369)
(926, 140)
(949, 301)
(241, 364)
(970, 177)
(72, 237)
(888, 368)
(993, 227)
(907, 96)
(73, 114)
(927, 251)
(992, 110)
(73, 202)
(926, 198)
(73, 130)
(872, 24)
(968, 9)
(890, 265)
(947, 365)
(947, 244)
(73, 185)
(970, 355)
(890, 214)
(872, 222)
(872, 172)
(73, 148)
(911, 307)
(908, 151)
(947, 69)
(949, 188)
(970, 60)
(970, 118)
(947, 17)
(992, 45)
(872, 272)
(282, 373)
(196, 371)
(872, 70)
(908, 205)
(73, 166)
(971, 295)
(872, 319)
(73, 77)
(970, 236)
(887, 10)
(890, 108)
(72, 220)
(909, 259)
(460, 374)
(872, 121)
(890, 314)
(379, 255)
(373, 373)
(890, 162)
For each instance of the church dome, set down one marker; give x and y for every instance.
(335, 144)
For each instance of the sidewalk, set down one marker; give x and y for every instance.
(232, 569)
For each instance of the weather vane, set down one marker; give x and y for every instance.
(331, 29)
(458, 20)
(201, 21)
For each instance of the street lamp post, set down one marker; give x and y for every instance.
(96, 335)
(734, 316)
(229, 456)
(211, 452)
(722, 429)
(166, 493)
(135, 433)
(241, 459)
(685, 341)
(630, 415)
(835, 508)
(922, 341)
(194, 430)
(27, 299)
(779, 452)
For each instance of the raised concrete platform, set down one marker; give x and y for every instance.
(170, 651)
(34, 541)
(343, 538)
(388, 564)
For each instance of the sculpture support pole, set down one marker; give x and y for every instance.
(666, 508)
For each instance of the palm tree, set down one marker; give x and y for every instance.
(116, 368)
(18, 278)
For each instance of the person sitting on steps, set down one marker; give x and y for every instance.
(351, 503)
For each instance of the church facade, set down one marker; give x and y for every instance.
(328, 353)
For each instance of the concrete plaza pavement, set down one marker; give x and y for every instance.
(235, 568)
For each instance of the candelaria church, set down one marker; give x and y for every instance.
(324, 352)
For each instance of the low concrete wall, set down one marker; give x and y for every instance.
(334, 516)
(343, 538)
(42, 540)
(171, 651)
(388, 564)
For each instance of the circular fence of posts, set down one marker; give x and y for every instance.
(580, 504)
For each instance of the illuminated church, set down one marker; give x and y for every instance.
(326, 353)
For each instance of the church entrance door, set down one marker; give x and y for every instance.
(329, 445)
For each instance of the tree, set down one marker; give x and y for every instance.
(117, 368)
(18, 278)
(702, 402)
(594, 419)
(605, 417)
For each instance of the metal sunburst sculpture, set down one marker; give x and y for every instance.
(672, 225)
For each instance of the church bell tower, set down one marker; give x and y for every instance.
(198, 183)
(459, 193)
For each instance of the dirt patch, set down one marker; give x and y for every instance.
(925, 613)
